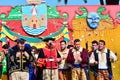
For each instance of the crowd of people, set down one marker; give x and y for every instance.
(73, 62)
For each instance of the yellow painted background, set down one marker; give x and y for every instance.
(104, 31)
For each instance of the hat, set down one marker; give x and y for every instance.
(20, 40)
(48, 38)
(5, 46)
(17, 40)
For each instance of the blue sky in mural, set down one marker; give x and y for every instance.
(50, 2)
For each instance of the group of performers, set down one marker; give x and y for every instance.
(25, 62)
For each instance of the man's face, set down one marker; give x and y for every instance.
(49, 41)
(33, 51)
(62, 45)
(5, 51)
(101, 46)
(94, 46)
(21, 46)
(93, 20)
(77, 45)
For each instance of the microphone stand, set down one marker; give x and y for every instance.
(50, 45)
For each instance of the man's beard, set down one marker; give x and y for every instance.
(77, 48)
(62, 49)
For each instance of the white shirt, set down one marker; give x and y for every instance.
(102, 64)
(63, 64)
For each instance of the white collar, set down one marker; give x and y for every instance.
(80, 50)
(105, 51)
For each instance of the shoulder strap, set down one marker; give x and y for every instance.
(108, 51)
(96, 55)
(108, 62)
(58, 54)
(108, 54)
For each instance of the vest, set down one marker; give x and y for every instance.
(84, 55)
(108, 62)
(53, 55)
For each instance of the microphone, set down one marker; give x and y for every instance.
(50, 45)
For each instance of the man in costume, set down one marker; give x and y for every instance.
(93, 47)
(48, 60)
(64, 69)
(20, 60)
(91, 68)
(32, 66)
(101, 59)
(5, 62)
(78, 58)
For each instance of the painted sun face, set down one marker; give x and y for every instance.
(93, 20)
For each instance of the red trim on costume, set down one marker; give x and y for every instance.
(40, 62)
(53, 52)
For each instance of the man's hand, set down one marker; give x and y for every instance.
(111, 58)
(77, 57)
(95, 62)
(64, 56)
(18, 54)
(58, 59)
(26, 54)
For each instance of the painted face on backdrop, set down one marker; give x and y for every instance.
(93, 20)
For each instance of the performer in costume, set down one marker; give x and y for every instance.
(78, 58)
(101, 59)
(5, 62)
(48, 60)
(93, 47)
(64, 69)
(32, 66)
(91, 68)
(20, 60)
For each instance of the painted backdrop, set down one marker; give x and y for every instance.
(68, 23)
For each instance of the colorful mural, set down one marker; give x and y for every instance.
(69, 23)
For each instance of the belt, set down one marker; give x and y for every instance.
(77, 66)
